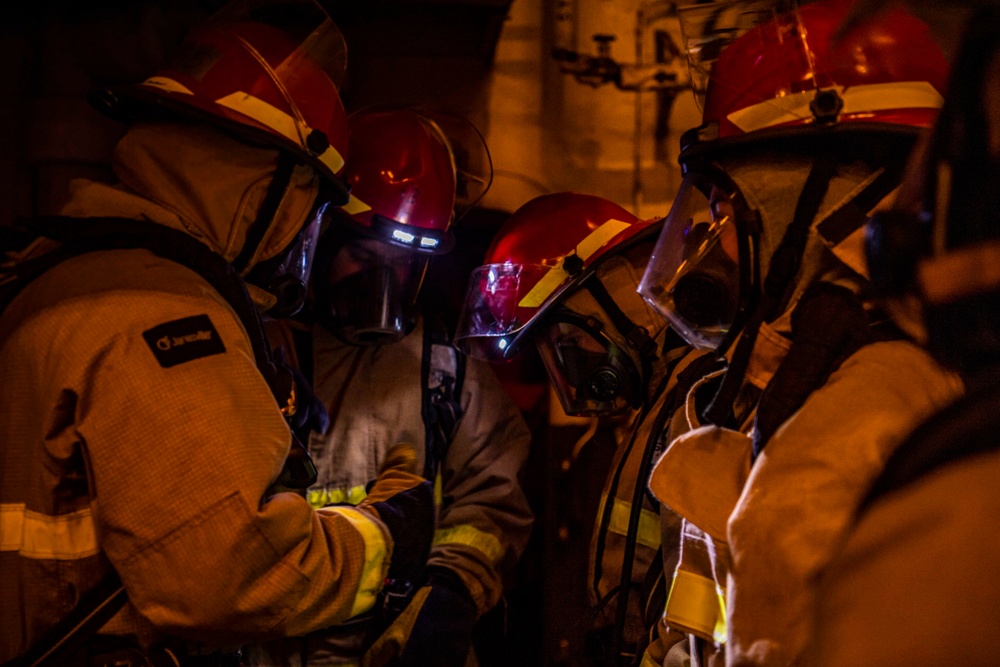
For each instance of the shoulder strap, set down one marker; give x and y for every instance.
(965, 429)
(829, 325)
(81, 236)
(441, 387)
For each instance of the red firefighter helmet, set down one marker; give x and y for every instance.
(268, 71)
(764, 65)
(547, 246)
(402, 178)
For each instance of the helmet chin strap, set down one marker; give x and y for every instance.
(636, 335)
(778, 283)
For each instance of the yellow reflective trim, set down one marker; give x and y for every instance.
(470, 536)
(867, 97)
(355, 206)
(167, 84)
(647, 661)
(34, 535)
(336, 496)
(438, 490)
(697, 603)
(376, 553)
(555, 276)
(280, 122)
(649, 523)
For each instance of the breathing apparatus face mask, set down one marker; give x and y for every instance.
(367, 293)
(693, 276)
(287, 274)
(592, 376)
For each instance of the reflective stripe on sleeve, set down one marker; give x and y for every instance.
(376, 552)
(649, 523)
(696, 603)
(34, 535)
(333, 496)
(470, 536)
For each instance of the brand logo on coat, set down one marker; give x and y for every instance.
(183, 340)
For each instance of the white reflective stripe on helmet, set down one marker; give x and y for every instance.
(696, 603)
(376, 554)
(280, 122)
(862, 98)
(470, 536)
(556, 275)
(167, 84)
(34, 535)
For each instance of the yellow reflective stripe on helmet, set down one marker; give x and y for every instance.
(167, 84)
(280, 122)
(696, 603)
(34, 535)
(866, 97)
(355, 206)
(470, 536)
(376, 553)
(649, 522)
(336, 496)
(594, 241)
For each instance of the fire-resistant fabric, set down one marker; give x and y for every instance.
(374, 397)
(115, 455)
(799, 495)
(916, 581)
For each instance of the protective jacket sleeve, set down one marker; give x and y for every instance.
(182, 439)
(485, 520)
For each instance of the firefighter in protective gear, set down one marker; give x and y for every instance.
(143, 427)
(915, 580)
(562, 274)
(760, 261)
(387, 373)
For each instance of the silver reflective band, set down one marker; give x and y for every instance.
(34, 535)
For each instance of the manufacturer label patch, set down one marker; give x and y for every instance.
(184, 340)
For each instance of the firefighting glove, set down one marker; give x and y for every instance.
(404, 502)
(434, 629)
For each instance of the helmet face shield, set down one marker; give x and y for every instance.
(500, 301)
(298, 260)
(591, 375)
(693, 276)
(367, 294)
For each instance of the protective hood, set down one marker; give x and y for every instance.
(201, 181)
(771, 184)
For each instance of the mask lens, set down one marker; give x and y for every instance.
(372, 292)
(585, 369)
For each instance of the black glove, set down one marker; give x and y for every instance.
(434, 629)
(442, 632)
